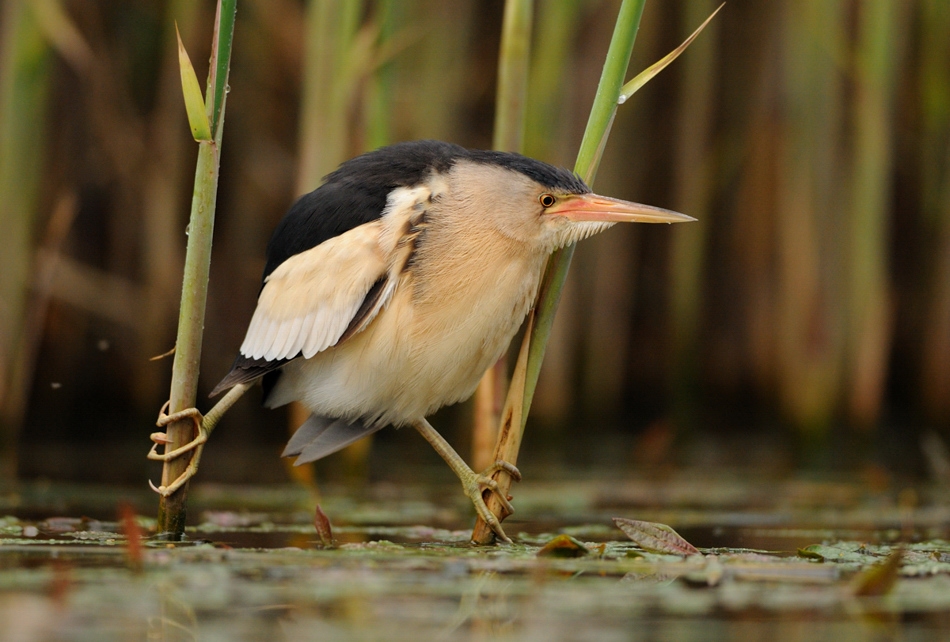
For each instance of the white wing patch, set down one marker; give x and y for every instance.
(310, 299)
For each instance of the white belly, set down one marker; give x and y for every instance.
(428, 348)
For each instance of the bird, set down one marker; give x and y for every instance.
(390, 289)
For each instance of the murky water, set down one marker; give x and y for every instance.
(779, 560)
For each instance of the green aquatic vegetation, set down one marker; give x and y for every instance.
(415, 582)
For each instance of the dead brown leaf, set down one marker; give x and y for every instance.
(656, 538)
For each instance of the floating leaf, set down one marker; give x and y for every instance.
(840, 552)
(194, 102)
(656, 538)
(810, 553)
(647, 74)
(563, 546)
(879, 579)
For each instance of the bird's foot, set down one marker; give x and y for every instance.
(196, 445)
(474, 486)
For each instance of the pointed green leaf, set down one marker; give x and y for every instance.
(647, 74)
(194, 102)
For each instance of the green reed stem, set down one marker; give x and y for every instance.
(194, 293)
(525, 377)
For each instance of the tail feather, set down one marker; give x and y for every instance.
(246, 370)
(321, 436)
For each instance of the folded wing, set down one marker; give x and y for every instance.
(309, 300)
(313, 300)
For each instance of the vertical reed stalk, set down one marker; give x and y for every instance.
(546, 132)
(869, 310)
(433, 84)
(334, 65)
(525, 378)
(934, 167)
(379, 98)
(548, 137)
(513, 62)
(693, 178)
(24, 83)
(161, 196)
(328, 86)
(809, 341)
(171, 511)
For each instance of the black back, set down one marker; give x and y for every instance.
(356, 192)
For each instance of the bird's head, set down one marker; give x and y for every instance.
(539, 204)
(568, 217)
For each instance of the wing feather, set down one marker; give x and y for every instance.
(309, 300)
(323, 295)
(281, 338)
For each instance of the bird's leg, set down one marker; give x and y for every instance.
(203, 427)
(473, 484)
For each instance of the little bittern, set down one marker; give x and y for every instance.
(390, 289)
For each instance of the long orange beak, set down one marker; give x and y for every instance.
(591, 207)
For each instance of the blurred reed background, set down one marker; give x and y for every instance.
(809, 307)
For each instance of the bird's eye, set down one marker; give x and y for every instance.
(547, 200)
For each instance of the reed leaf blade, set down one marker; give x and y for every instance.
(191, 90)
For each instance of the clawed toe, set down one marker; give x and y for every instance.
(188, 413)
(511, 469)
(483, 482)
(165, 491)
(189, 472)
(489, 517)
(161, 439)
(487, 483)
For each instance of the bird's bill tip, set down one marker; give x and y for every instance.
(592, 207)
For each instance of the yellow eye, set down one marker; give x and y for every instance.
(547, 200)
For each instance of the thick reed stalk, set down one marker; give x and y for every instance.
(335, 63)
(328, 84)
(934, 166)
(546, 132)
(810, 310)
(525, 378)
(379, 90)
(160, 195)
(24, 82)
(693, 178)
(880, 25)
(171, 511)
(549, 137)
(513, 63)
(434, 81)
(510, 99)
